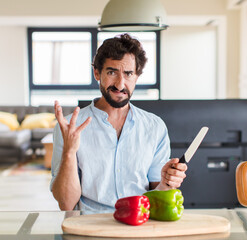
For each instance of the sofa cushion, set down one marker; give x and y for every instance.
(39, 133)
(66, 109)
(20, 111)
(39, 120)
(14, 138)
(10, 120)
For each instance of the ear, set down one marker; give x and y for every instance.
(96, 74)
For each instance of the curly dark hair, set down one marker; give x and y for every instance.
(115, 48)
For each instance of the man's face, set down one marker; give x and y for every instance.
(117, 80)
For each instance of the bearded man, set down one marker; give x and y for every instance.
(112, 149)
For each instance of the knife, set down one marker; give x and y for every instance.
(194, 145)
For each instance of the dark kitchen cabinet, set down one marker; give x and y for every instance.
(210, 180)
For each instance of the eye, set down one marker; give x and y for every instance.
(129, 74)
(112, 73)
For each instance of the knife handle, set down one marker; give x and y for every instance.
(182, 159)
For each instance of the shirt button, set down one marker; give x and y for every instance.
(118, 170)
(120, 195)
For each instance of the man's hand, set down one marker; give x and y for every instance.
(71, 133)
(172, 175)
(66, 187)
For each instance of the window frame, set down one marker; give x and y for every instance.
(94, 85)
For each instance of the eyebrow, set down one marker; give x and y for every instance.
(128, 72)
(115, 69)
(111, 68)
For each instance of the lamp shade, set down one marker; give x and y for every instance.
(133, 16)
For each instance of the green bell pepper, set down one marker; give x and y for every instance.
(165, 205)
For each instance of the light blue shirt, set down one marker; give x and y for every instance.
(110, 168)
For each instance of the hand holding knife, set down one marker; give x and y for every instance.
(173, 175)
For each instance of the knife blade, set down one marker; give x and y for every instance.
(194, 146)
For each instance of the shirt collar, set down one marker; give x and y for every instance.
(133, 113)
(97, 111)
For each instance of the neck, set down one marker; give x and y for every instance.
(116, 116)
(103, 105)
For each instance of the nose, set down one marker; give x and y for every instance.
(120, 82)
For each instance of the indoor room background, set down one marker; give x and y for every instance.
(202, 55)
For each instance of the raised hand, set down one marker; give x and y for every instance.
(70, 132)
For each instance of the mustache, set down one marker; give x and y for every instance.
(113, 88)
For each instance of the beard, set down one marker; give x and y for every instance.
(108, 98)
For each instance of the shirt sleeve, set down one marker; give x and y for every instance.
(162, 153)
(57, 153)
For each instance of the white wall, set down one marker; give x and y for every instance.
(52, 7)
(13, 66)
(16, 15)
(189, 63)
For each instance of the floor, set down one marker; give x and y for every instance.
(25, 192)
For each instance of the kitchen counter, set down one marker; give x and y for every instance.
(47, 225)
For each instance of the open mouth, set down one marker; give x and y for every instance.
(119, 92)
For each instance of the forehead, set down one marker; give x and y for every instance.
(126, 63)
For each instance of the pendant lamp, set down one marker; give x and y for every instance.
(133, 16)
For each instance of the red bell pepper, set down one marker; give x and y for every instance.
(132, 210)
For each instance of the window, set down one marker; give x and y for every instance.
(61, 58)
(60, 64)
